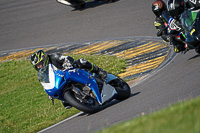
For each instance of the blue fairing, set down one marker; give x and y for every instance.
(76, 75)
(59, 84)
(82, 76)
(110, 77)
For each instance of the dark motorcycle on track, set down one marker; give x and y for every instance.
(190, 20)
(79, 4)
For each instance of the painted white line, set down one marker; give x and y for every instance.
(60, 122)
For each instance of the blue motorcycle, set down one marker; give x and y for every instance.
(82, 89)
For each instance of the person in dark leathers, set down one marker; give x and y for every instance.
(40, 59)
(167, 21)
(159, 8)
(169, 31)
(176, 8)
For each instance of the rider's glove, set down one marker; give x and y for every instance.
(67, 64)
(174, 25)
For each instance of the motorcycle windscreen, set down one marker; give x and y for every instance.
(165, 16)
(43, 74)
(46, 77)
(187, 19)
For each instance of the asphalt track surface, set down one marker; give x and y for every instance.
(34, 23)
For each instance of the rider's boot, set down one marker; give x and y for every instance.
(102, 76)
(102, 73)
(179, 46)
(66, 105)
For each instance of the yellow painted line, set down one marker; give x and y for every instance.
(152, 49)
(138, 70)
(90, 47)
(22, 54)
(109, 45)
(130, 53)
(14, 55)
(142, 67)
(103, 45)
(145, 66)
(98, 47)
(149, 62)
(129, 50)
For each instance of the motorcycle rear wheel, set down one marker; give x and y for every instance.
(122, 88)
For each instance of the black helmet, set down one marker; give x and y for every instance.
(39, 57)
(175, 8)
(158, 7)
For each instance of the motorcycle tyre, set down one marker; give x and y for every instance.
(68, 96)
(78, 6)
(197, 50)
(122, 88)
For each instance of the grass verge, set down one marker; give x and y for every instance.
(182, 117)
(24, 106)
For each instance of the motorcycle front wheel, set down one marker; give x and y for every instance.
(90, 107)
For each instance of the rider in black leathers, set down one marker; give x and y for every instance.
(167, 33)
(40, 59)
(159, 8)
(170, 29)
(193, 4)
(176, 8)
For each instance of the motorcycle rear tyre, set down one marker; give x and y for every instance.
(123, 89)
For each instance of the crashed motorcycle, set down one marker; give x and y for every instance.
(190, 20)
(82, 89)
(79, 4)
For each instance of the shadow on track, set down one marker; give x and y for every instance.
(93, 4)
(109, 104)
(196, 56)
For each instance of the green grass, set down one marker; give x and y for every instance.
(183, 117)
(25, 107)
